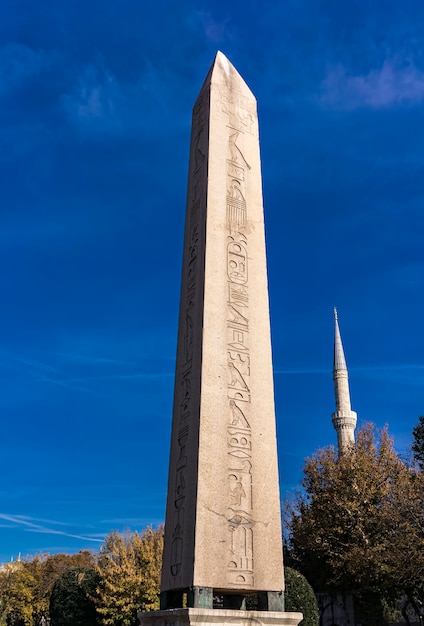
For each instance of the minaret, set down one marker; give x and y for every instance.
(344, 419)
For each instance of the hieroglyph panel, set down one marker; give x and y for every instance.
(240, 566)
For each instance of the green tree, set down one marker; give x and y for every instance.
(129, 566)
(358, 522)
(47, 568)
(418, 444)
(73, 598)
(299, 597)
(51, 567)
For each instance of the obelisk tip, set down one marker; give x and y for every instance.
(223, 72)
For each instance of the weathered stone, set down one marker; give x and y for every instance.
(203, 617)
(223, 537)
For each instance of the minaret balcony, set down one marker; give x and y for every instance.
(344, 413)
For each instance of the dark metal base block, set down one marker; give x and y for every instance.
(203, 598)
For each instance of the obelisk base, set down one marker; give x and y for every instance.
(218, 617)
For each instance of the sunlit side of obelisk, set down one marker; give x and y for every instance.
(223, 531)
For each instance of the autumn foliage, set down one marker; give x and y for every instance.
(129, 566)
(85, 588)
(358, 526)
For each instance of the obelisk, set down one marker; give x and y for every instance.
(223, 527)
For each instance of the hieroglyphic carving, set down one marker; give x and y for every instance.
(241, 111)
(184, 406)
(199, 151)
(236, 194)
(240, 569)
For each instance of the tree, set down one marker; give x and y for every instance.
(46, 569)
(17, 587)
(358, 523)
(418, 445)
(73, 598)
(299, 597)
(129, 566)
(25, 586)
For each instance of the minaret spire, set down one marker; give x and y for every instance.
(344, 419)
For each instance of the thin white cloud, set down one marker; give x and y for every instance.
(18, 64)
(393, 84)
(385, 371)
(68, 383)
(406, 374)
(301, 370)
(77, 380)
(32, 525)
(37, 365)
(103, 102)
(139, 522)
(51, 531)
(91, 359)
(215, 30)
(133, 376)
(37, 370)
(401, 367)
(39, 520)
(95, 100)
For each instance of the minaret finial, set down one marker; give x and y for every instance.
(339, 357)
(344, 419)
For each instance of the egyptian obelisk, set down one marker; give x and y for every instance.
(223, 526)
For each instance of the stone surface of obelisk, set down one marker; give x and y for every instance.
(223, 526)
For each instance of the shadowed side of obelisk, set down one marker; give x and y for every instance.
(178, 558)
(223, 529)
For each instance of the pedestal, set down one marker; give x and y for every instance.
(218, 617)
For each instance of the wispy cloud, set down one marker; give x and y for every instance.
(215, 30)
(92, 359)
(393, 84)
(400, 367)
(101, 101)
(34, 525)
(138, 522)
(95, 99)
(18, 63)
(76, 371)
(65, 382)
(49, 374)
(411, 374)
(39, 371)
(383, 370)
(301, 370)
(37, 366)
(132, 376)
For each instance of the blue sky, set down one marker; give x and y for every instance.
(95, 109)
